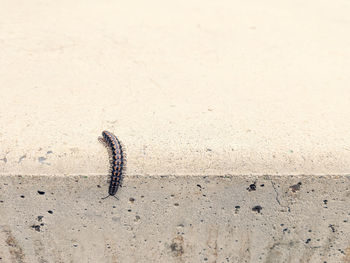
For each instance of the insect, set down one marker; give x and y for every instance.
(115, 150)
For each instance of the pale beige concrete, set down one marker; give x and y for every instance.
(234, 115)
(190, 87)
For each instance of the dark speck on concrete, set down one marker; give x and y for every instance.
(22, 196)
(131, 199)
(295, 187)
(40, 218)
(41, 159)
(332, 227)
(41, 192)
(308, 240)
(36, 227)
(50, 212)
(257, 208)
(252, 187)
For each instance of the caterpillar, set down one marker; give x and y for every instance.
(115, 150)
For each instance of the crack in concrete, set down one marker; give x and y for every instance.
(277, 196)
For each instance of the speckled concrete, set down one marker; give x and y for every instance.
(234, 115)
(175, 219)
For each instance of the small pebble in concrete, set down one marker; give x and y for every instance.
(41, 192)
(50, 212)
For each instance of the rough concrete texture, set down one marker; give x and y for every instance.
(175, 219)
(209, 98)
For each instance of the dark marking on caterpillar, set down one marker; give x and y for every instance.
(115, 150)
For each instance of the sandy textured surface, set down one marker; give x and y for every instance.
(191, 88)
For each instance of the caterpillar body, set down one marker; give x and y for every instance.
(116, 160)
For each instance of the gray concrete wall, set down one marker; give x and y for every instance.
(234, 116)
(176, 219)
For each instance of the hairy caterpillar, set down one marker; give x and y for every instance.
(116, 160)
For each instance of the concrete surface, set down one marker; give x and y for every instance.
(235, 91)
(175, 219)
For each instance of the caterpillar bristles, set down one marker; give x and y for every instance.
(116, 159)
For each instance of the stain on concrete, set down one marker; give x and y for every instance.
(177, 246)
(15, 249)
(346, 258)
